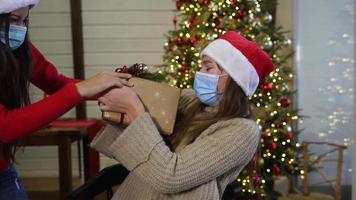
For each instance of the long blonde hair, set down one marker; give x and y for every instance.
(233, 104)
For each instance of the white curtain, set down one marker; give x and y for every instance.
(324, 43)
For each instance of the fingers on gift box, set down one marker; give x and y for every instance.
(159, 99)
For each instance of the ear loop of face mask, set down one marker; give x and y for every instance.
(221, 75)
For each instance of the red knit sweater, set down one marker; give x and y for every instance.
(63, 95)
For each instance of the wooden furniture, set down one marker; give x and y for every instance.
(316, 162)
(78, 49)
(63, 138)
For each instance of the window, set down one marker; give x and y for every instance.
(324, 39)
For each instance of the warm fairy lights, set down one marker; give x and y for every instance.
(201, 21)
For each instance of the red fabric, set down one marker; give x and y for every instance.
(17, 123)
(94, 159)
(93, 128)
(256, 56)
(72, 123)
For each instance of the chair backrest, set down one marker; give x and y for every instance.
(102, 182)
(308, 162)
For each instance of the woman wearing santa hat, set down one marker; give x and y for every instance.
(214, 137)
(21, 63)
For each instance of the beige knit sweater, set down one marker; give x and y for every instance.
(199, 171)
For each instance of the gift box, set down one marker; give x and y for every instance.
(159, 99)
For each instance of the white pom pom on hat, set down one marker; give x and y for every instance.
(243, 60)
(7, 6)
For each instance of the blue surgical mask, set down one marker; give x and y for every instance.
(17, 36)
(206, 88)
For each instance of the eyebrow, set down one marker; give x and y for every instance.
(14, 15)
(207, 61)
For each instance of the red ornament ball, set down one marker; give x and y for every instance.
(264, 135)
(276, 170)
(179, 5)
(272, 146)
(278, 125)
(184, 67)
(267, 87)
(289, 136)
(241, 14)
(192, 42)
(174, 20)
(290, 169)
(206, 3)
(285, 102)
(257, 180)
(191, 21)
(179, 42)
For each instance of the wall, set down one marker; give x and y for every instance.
(354, 122)
(116, 32)
(51, 33)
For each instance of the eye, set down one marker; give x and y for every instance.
(209, 68)
(13, 20)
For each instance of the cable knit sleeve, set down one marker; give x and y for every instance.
(108, 134)
(141, 149)
(105, 138)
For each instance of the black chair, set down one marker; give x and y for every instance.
(102, 182)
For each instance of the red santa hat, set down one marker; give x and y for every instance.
(7, 6)
(243, 60)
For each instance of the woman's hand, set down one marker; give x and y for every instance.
(102, 82)
(122, 100)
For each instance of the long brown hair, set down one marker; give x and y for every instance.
(15, 68)
(233, 104)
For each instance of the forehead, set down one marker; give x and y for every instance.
(22, 12)
(207, 59)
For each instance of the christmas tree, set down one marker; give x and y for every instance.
(198, 22)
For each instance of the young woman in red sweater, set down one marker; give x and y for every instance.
(22, 63)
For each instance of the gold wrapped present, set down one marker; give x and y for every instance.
(159, 99)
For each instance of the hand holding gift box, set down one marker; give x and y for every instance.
(159, 99)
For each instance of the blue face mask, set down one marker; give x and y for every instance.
(17, 36)
(205, 87)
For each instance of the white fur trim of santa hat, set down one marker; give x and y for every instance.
(7, 6)
(242, 59)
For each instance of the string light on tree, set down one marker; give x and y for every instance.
(198, 22)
